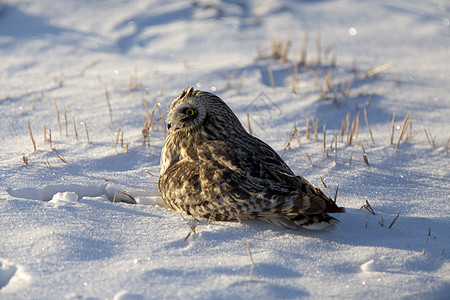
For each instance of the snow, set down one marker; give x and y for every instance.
(66, 232)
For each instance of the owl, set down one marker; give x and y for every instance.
(211, 168)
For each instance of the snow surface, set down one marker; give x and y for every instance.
(65, 234)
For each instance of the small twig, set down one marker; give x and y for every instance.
(323, 182)
(308, 129)
(357, 126)
(309, 158)
(148, 172)
(61, 157)
(31, 136)
(57, 116)
(368, 126)
(368, 207)
(87, 134)
(395, 219)
(50, 138)
(129, 201)
(65, 118)
(365, 158)
(336, 193)
(376, 70)
(108, 103)
(392, 128)
(25, 159)
(335, 147)
(402, 131)
(251, 259)
(75, 128)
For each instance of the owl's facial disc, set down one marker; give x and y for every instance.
(185, 117)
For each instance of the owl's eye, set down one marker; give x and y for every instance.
(190, 112)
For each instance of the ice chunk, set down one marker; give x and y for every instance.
(368, 266)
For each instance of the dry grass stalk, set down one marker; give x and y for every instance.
(75, 128)
(31, 136)
(335, 147)
(347, 127)
(229, 79)
(33, 105)
(297, 134)
(161, 118)
(50, 138)
(251, 259)
(341, 134)
(248, 122)
(148, 172)
(45, 133)
(309, 158)
(288, 144)
(323, 182)
(393, 222)
(315, 123)
(61, 157)
(350, 159)
(47, 163)
(335, 194)
(368, 126)
(57, 116)
(365, 158)
(239, 85)
(121, 139)
(115, 147)
(108, 103)
(318, 48)
(369, 99)
(447, 145)
(324, 138)
(308, 129)
(87, 134)
(431, 139)
(352, 130)
(368, 207)
(357, 126)
(65, 118)
(392, 128)
(304, 50)
(130, 199)
(272, 80)
(411, 133)
(24, 159)
(191, 230)
(117, 135)
(329, 81)
(402, 131)
(376, 70)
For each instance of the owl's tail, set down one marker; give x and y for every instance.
(311, 222)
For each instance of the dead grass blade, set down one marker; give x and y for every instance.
(402, 131)
(393, 221)
(31, 136)
(377, 70)
(368, 126)
(251, 259)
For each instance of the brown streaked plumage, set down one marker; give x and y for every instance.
(212, 168)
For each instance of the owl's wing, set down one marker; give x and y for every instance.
(255, 183)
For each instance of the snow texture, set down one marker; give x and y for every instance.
(81, 217)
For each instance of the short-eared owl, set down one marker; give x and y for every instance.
(212, 168)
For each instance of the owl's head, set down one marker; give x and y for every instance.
(197, 111)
